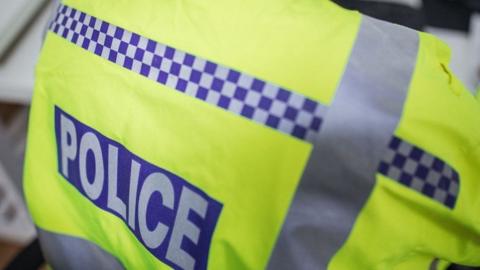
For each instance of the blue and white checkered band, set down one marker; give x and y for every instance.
(421, 171)
(242, 94)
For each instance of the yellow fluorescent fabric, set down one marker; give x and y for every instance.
(277, 40)
(400, 228)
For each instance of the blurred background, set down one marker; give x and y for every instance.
(22, 27)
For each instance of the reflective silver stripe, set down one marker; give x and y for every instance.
(340, 174)
(67, 252)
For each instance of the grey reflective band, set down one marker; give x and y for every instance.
(421, 171)
(340, 173)
(242, 94)
(68, 252)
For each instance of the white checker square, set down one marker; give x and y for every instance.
(252, 98)
(213, 97)
(296, 100)
(221, 72)
(131, 51)
(185, 72)
(235, 106)
(115, 44)
(153, 74)
(286, 126)
(178, 57)
(142, 43)
(206, 80)
(171, 81)
(165, 65)
(278, 108)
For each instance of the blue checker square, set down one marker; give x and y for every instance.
(85, 44)
(428, 190)
(283, 95)
(394, 143)
(438, 165)
(406, 179)
(92, 22)
(112, 56)
(291, 113)
(195, 76)
(151, 46)
(156, 61)
(181, 85)
(75, 37)
(128, 62)
(104, 27)
(383, 168)
(98, 49)
(444, 183)
(299, 132)
(210, 68)
(162, 77)
(316, 123)
(399, 161)
(240, 93)
(188, 60)
(455, 176)
(450, 201)
(83, 30)
(258, 85)
(134, 39)
(108, 41)
(217, 84)
(421, 172)
(95, 35)
(139, 54)
(233, 76)
(145, 70)
(119, 33)
(82, 17)
(202, 93)
(265, 103)
(247, 111)
(416, 154)
(224, 102)
(309, 105)
(273, 121)
(123, 47)
(169, 52)
(175, 68)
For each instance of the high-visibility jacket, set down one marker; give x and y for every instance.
(249, 135)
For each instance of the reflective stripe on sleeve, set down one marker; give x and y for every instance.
(340, 173)
(228, 89)
(420, 171)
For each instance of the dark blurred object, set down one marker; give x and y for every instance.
(472, 4)
(459, 267)
(448, 14)
(29, 258)
(392, 12)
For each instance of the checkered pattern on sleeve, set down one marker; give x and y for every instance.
(223, 87)
(420, 171)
